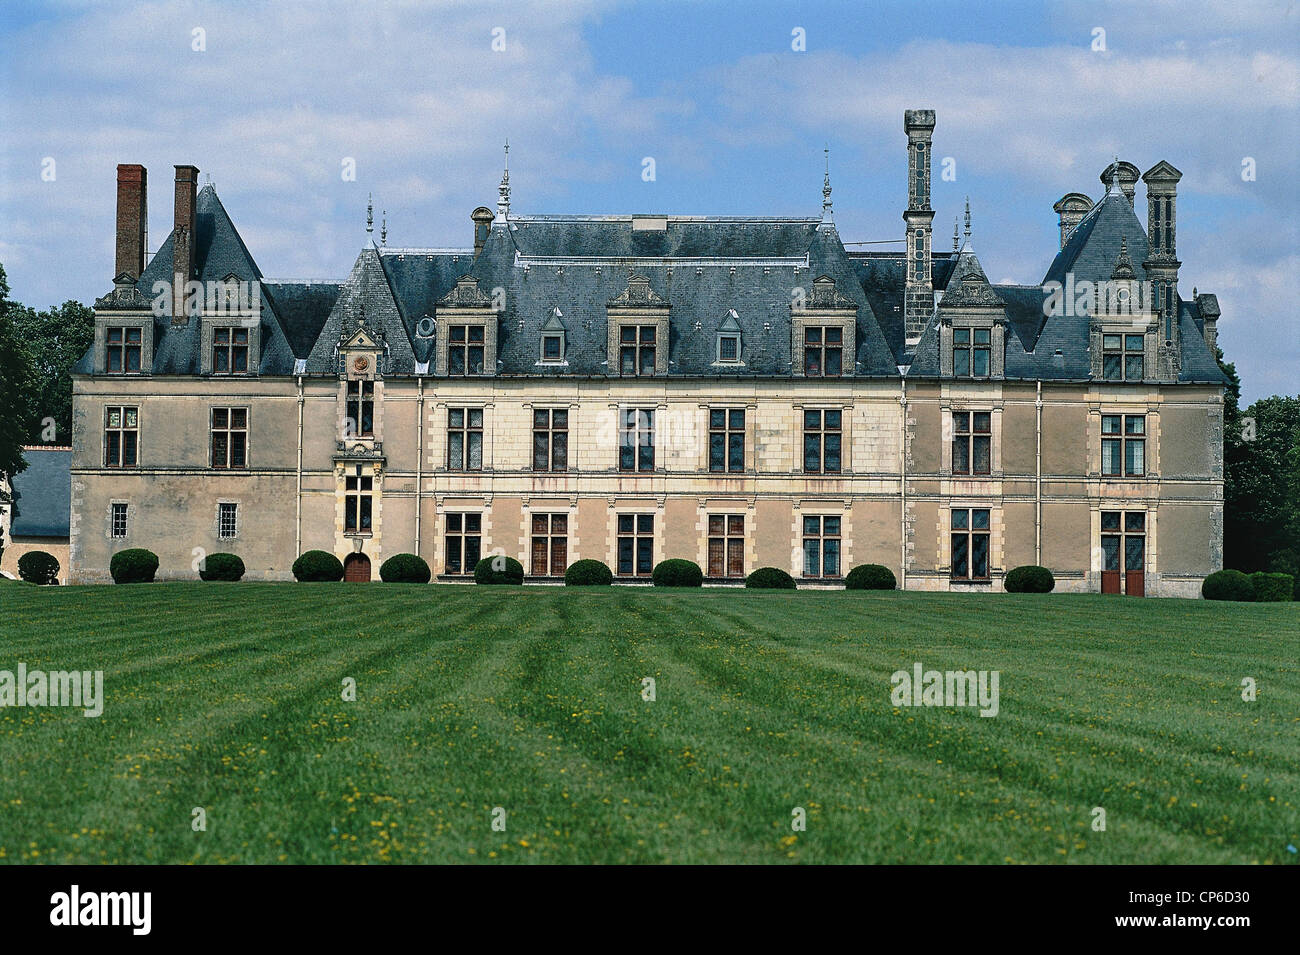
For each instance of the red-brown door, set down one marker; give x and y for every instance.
(1110, 545)
(1134, 584)
(356, 568)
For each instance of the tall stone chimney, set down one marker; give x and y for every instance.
(482, 217)
(187, 185)
(1209, 306)
(1071, 208)
(918, 298)
(132, 220)
(1128, 177)
(1162, 261)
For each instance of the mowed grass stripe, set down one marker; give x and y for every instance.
(530, 699)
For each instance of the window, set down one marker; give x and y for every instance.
(726, 545)
(729, 348)
(550, 439)
(636, 545)
(970, 544)
(229, 437)
(464, 439)
(636, 349)
(821, 546)
(1123, 445)
(1121, 357)
(122, 349)
(821, 442)
(464, 543)
(971, 442)
(357, 500)
(227, 521)
(360, 420)
(726, 439)
(550, 545)
(823, 351)
(465, 350)
(229, 351)
(636, 439)
(553, 348)
(970, 352)
(121, 437)
(118, 521)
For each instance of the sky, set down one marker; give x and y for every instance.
(735, 103)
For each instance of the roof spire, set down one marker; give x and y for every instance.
(503, 192)
(1115, 189)
(968, 219)
(370, 214)
(383, 229)
(828, 218)
(956, 240)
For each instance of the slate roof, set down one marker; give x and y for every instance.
(42, 494)
(567, 269)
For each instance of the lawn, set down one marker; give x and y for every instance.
(229, 697)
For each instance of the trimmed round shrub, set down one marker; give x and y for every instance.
(221, 567)
(38, 567)
(404, 569)
(135, 565)
(317, 565)
(676, 572)
(1268, 588)
(588, 573)
(498, 569)
(1287, 561)
(1029, 579)
(770, 578)
(1228, 585)
(870, 577)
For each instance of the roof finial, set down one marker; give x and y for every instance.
(968, 218)
(370, 214)
(956, 239)
(383, 229)
(1114, 178)
(503, 192)
(828, 218)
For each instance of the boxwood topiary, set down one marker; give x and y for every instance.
(588, 573)
(1271, 588)
(38, 567)
(1029, 579)
(676, 572)
(135, 565)
(1228, 585)
(770, 578)
(404, 569)
(221, 567)
(870, 577)
(498, 569)
(317, 565)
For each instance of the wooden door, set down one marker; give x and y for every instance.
(356, 569)
(1110, 575)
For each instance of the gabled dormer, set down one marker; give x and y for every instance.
(972, 323)
(637, 331)
(466, 334)
(124, 341)
(823, 330)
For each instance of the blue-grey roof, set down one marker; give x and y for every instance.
(42, 494)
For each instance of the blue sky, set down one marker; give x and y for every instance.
(734, 118)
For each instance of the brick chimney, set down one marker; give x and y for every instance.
(918, 296)
(187, 185)
(1071, 208)
(482, 217)
(132, 219)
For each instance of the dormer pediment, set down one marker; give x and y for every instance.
(825, 294)
(466, 294)
(638, 294)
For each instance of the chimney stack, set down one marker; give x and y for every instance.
(918, 296)
(1071, 207)
(1128, 177)
(187, 185)
(1162, 260)
(132, 219)
(1209, 306)
(482, 217)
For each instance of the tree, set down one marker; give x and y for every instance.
(15, 386)
(55, 340)
(1261, 498)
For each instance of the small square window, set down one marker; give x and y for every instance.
(728, 348)
(552, 348)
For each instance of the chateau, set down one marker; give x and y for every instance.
(741, 392)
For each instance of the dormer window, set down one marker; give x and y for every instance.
(553, 347)
(971, 349)
(1122, 357)
(466, 347)
(823, 351)
(122, 346)
(637, 349)
(229, 351)
(729, 348)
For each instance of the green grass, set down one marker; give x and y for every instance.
(228, 697)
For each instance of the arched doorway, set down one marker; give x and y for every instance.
(356, 568)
